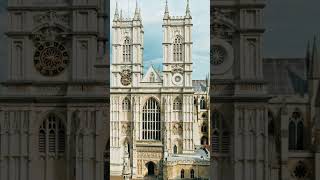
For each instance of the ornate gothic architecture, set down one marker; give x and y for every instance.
(53, 106)
(268, 106)
(159, 120)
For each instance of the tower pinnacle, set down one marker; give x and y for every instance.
(166, 12)
(116, 13)
(136, 13)
(188, 13)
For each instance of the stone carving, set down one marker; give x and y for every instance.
(126, 77)
(126, 128)
(177, 68)
(51, 18)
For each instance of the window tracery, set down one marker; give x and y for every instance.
(178, 49)
(52, 135)
(151, 125)
(296, 131)
(127, 50)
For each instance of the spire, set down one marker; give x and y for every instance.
(166, 11)
(188, 13)
(121, 17)
(116, 13)
(315, 61)
(140, 14)
(136, 12)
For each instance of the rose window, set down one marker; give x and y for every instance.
(218, 55)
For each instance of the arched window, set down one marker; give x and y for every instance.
(152, 77)
(52, 135)
(204, 140)
(292, 135)
(127, 50)
(220, 134)
(296, 132)
(182, 173)
(178, 49)
(191, 173)
(177, 104)
(202, 103)
(204, 128)
(151, 125)
(175, 149)
(126, 105)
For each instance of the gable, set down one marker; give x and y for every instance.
(152, 76)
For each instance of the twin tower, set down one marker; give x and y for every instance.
(128, 48)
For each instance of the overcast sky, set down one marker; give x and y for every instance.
(289, 25)
(152, 17)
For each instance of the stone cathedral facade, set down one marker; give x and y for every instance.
(159, 120)
(268, 106)
(53, 106)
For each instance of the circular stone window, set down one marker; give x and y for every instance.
(300, 171)
(177, 79)
(218, 55)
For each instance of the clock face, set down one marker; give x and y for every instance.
(218, 55)
(51, 58)
(126, 77)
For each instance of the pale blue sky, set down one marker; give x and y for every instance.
(152, 17)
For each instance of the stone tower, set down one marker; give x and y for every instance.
(177, 49)
(53, 106)
(127, 46)
(239, 133)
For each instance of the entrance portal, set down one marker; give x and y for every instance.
(151, 168)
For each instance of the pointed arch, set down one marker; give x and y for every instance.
(151, 125)
(296, 131)
(203, 103)
(177, 104)
(178, 49)
(175, 149)
(191, 173)
(126, 104)
(204, 128)
(182, 173)
(52, 135)
(220, 133)
(127, 50)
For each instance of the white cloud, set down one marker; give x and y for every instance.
(152, 15)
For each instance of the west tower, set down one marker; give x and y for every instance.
(239, 121)
(177, 49)
(127, 49)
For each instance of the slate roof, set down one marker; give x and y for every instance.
(285, 76)
(199, 85)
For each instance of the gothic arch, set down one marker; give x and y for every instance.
(203, 102)
(178, 49)
(126, 104)
(52, 135)
(220, 133)
(151, 120)
(45, 114)
(127, 50)
(296, 129)
(177, 104)
(151, 167)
